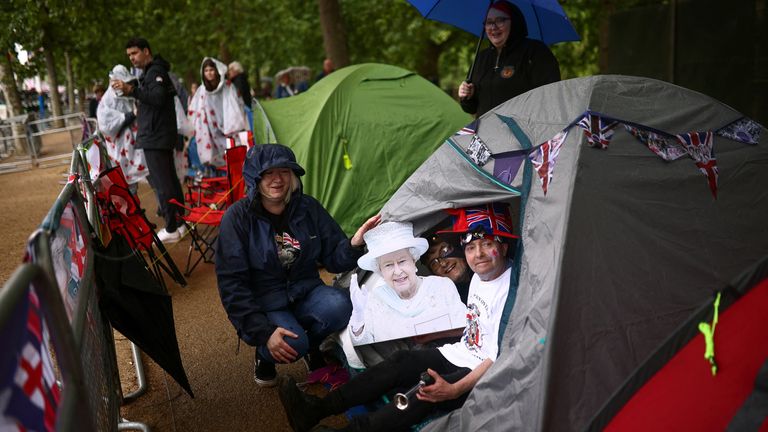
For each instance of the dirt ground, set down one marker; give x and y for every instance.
(226, 397)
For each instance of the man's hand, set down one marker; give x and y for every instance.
(440, 391)
(122, 86)
(279, 348)
(357, 239)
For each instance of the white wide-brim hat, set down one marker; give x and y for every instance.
(389, 237)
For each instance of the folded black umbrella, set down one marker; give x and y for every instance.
(139, 307)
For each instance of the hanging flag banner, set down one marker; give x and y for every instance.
(666, 148)
(478, 151)
(469, 129)
(743, 130)
(507, 164)
(699, 146)
(597, 129)
(544, 157)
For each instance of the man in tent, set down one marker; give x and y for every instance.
(484, 232)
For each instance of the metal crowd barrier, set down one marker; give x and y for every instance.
(61, 270)
(36, 138)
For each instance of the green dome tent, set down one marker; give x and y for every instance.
(387, 120)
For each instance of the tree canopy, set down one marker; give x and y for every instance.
(264, 35)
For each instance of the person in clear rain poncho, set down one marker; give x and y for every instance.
(117, 122)
(216, 112)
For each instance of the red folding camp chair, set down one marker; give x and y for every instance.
(202, 221)
(124, 215)
(215, 190)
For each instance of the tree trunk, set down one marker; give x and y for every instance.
(429, 60)
(13, 101)
(70, 83)
(53, 82)
(607, 7)
(224, 54)
(334, 32)
(10, 89)
(82, 103)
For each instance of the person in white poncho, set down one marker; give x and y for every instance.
(216, 112)
(405, 304)
(117, 122)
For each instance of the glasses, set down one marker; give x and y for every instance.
(437, 262)
(496, 22)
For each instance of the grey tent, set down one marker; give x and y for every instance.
(621, 250)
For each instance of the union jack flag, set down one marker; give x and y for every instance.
(492, 218)
(544, 157)
(288, 240)
(469, 129)
(666, 148)
(699, 147)
(597, 130)
(29, 395)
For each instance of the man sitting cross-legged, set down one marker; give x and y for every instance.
(484, 232)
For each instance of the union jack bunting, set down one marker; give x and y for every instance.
(469, 129)
(666, 148)
(544, 157)
(597, 130)
(744, 130)
(699, 146)
(29, 395)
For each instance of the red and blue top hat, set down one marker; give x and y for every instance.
(471, 223)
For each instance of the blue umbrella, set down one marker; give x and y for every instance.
(545, 19)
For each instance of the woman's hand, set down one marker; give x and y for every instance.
(440, 391)
(357, 239)
(466, 90)
(279, 348)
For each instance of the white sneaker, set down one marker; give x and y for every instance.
(171, 237)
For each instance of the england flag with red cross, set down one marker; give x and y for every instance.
(29, 395)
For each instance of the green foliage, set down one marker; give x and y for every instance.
(266, 35)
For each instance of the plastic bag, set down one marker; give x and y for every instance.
(234, 112)
(183, 125)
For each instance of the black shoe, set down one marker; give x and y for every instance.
(304, 411)
(264, 373)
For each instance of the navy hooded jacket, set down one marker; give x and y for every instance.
(251, 279)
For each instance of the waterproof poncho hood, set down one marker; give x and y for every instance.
(263, 157)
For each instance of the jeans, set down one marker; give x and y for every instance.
(323, 311)
(397, 373)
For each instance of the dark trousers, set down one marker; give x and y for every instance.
(163, 180)
(398, 373)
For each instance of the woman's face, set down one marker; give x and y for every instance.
(497, 27)
(275, 184)
(399, 272)
(210, 73)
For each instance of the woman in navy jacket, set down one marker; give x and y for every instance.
(267, 258)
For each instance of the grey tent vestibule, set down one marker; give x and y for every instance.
(638, 202)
